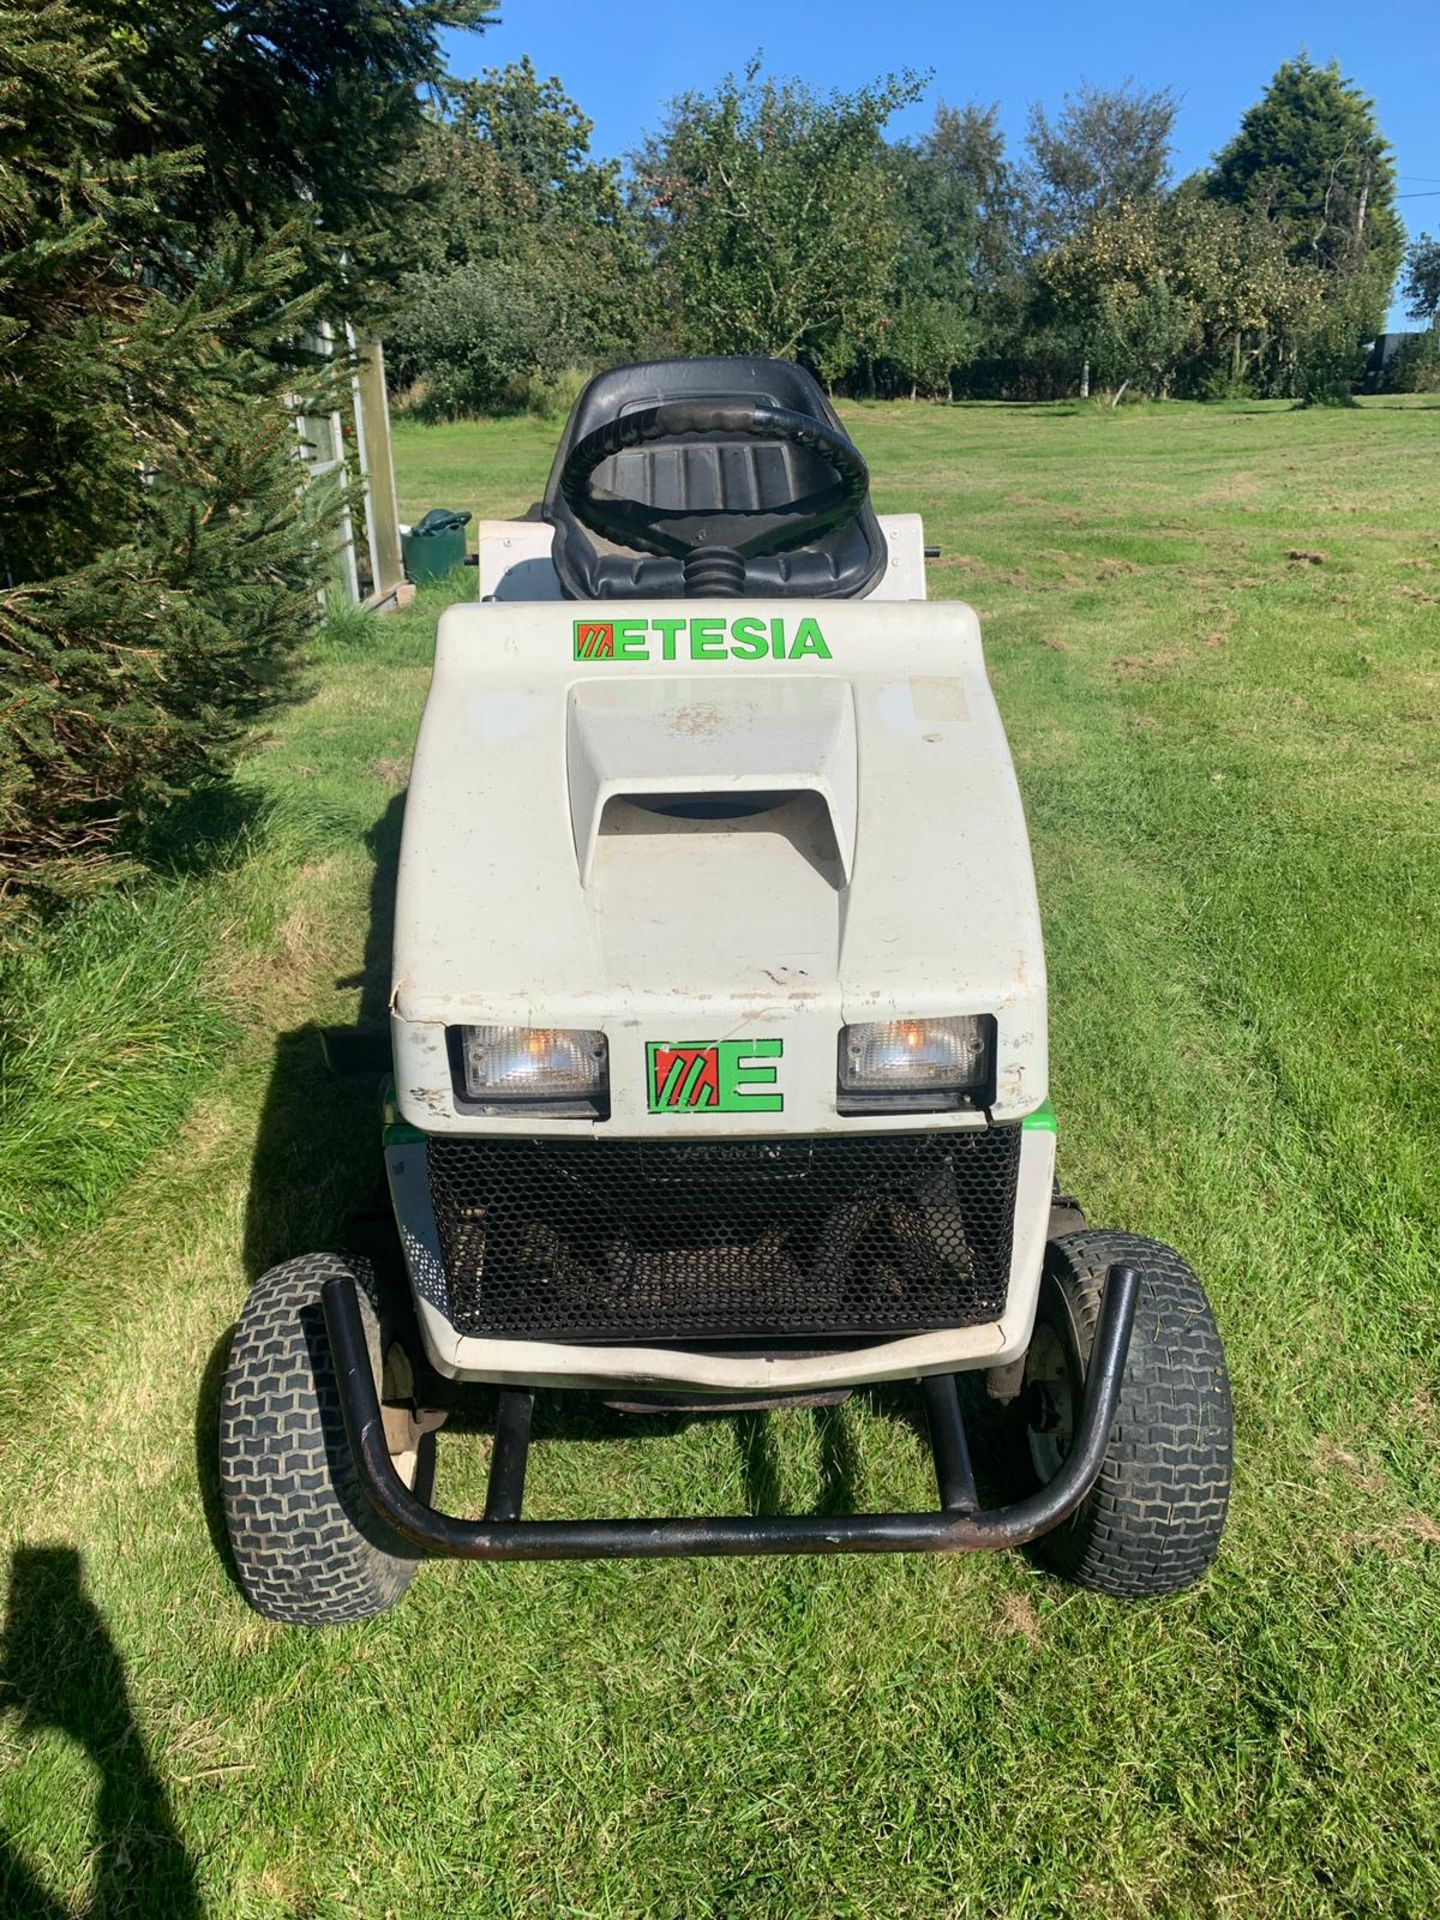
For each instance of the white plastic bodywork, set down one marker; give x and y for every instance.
(888, 877)
(666, 929)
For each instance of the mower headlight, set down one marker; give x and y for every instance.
(918, 1056)
(527, 1064)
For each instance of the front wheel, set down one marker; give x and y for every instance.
(309, 1548)
(1152, 1523)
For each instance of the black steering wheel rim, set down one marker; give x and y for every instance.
(682, 533)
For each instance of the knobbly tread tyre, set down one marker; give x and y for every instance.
(1152, 1524)
(308, 1547)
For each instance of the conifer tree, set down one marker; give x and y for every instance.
(185, 186)
(1310, 156)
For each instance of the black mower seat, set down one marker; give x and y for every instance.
(723, 472)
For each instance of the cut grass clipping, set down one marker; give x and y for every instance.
(1215, 636)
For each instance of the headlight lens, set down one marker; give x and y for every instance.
(914, 1056)
(533, 1063)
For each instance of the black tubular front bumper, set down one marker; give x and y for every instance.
(959, 1526)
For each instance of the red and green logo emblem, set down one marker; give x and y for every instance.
(713, 1076)
(594, 639)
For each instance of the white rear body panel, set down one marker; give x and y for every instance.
(515, 560)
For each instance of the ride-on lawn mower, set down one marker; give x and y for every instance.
(718, 1023)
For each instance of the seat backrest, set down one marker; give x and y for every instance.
(727, 473)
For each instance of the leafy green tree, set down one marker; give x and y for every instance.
(957, 202)
(1421, 288)
(1105, 148)
(1253, 300)
(1112, 287)
(776, 218)
(1330, 350)
(1310, 157)
(923, 342)
(960, 254)
(1180, 290)
(533, 128)
(967, 147)
(515, 208)
(490, 336)
(507, 154)
(1415, 364)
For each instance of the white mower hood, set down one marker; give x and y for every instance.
(687, 822)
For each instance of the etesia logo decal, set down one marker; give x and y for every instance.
(713, 1076)
(706, 638)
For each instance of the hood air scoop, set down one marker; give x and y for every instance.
(689, 749)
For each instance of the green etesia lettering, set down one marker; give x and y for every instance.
(707, 639)
(743, 1065)
(777, 639)
(667, 625)
(747, 638)
(630, 639)
(808, 639)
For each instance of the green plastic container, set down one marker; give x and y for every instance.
(435, 545)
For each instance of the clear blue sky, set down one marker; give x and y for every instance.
(624, 59)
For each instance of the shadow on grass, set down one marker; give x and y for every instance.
(993, 1433)
(207, 1454)
(205, 832)
(60, 1671)
(760, 1461)
(317, 1151)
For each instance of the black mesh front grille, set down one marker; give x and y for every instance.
(614, 1240)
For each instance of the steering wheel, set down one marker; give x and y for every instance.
(713, 542)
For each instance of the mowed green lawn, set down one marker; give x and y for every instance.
(1215, 636)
